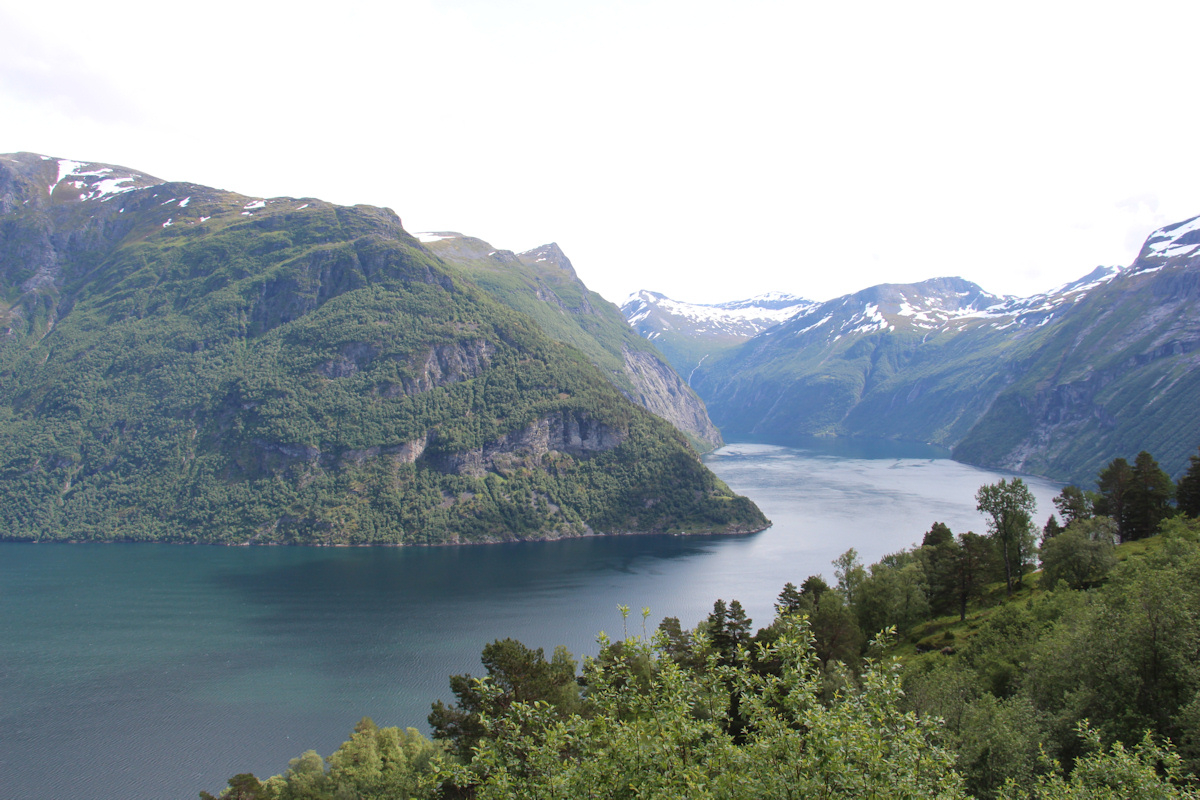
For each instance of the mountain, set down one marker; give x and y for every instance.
(542, 283)
(183, 363)
(1056, 384)
(689, 333)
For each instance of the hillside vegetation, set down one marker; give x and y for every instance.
(180, 363)
(1076, 682)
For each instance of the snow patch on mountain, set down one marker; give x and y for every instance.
(1180, 239)
(101, 183)
(741, 318)
(429, 236)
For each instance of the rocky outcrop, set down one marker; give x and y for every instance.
(450, 363)
(571, 432)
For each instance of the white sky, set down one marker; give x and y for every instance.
(706, 150)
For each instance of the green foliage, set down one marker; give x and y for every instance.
(313, 376)
(1113, 484)
(1011, 507)
(1187, 491)
(1147, 771)
(515, 674)
(1081, 555)
(373, 764)
(1073, 503)
(895, 593)
(1147, 500)
(646, 739)
(1058, 694)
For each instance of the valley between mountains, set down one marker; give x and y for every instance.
(1056, 384)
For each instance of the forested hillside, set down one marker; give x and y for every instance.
(989, 681)
(187, 364)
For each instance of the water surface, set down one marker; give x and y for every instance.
(154, 671)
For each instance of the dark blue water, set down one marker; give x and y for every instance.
(154, 671)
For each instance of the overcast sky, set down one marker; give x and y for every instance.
(709, 151)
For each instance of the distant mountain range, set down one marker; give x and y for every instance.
(1055, 384)
(184, 363)
(688, 333)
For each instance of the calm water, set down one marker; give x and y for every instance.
(154, 671)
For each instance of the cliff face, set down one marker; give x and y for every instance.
(661, 391)
(182, 363)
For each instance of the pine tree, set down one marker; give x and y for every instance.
(789, 601)
(1073, 503)
(1147, 499)
(1113, 483)
(1187, 491)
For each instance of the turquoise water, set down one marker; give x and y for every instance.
(154, 671)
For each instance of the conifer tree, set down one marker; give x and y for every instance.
(1113, 483)
(1147, 499)
(1187, 491)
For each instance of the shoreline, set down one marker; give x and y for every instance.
(590, 534)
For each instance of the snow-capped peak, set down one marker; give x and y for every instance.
(1180, 239)
(738, 318)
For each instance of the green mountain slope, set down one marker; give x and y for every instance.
(181, 363)
(542, 283)
(1056, 384)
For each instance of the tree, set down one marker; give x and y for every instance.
(1081, 555)
(521, 675)
(1113, 483)
(973, 568)
(850, 574)
(241, 787)
(836, 634)
(1187, 491)
(1051, 529)
(652, 743)
(1011, 506)
(1147, 499)
(814, 587)
(789, 600)
(939, 553)
(678, 643)
(939, 534)
(1073, 503)
(381, 763)
(727, 627)
(1150, 769)
(893, 594)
